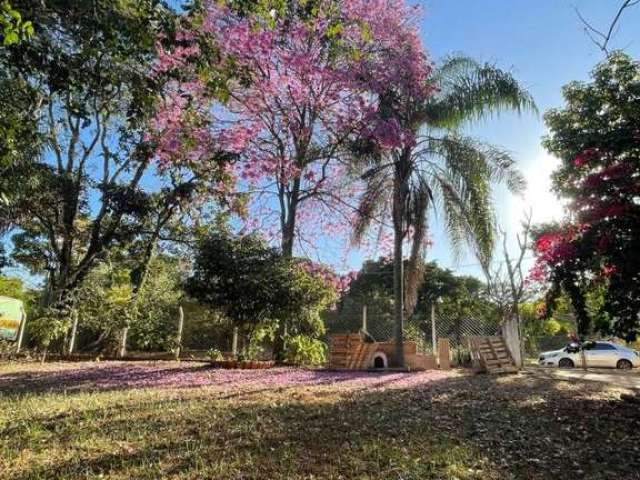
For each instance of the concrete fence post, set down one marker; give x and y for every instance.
(234, 343)
(74, 332)
(23, 326)
(179, 334)
(364, 318)
(123, 344)
(434, 336)
(511, 336)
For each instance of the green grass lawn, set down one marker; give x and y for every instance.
(187, 421)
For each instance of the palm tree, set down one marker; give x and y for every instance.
(444, 170)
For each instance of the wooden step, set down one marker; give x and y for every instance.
(493, 354)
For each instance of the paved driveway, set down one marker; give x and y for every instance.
(618, 378)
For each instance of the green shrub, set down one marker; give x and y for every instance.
(304, 350)
(215, 354)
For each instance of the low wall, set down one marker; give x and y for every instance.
(352, 352)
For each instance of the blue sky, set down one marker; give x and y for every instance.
(542, 42)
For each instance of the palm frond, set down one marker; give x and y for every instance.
(467, 222)
(452, 66)
(470, 91)
(464, 173)
(463, 153)
(372, 203)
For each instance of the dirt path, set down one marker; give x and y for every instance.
(616, 378)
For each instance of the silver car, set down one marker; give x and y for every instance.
(597, 354)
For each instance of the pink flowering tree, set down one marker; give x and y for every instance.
(597, 137)
(285, 93)
(282, 91)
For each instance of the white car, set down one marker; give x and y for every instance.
(597, 354)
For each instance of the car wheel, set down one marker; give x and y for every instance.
(624, 364)
(566, 363)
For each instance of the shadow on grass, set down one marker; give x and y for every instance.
(478, 427)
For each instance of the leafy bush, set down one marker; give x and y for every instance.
(303, 350)
(47, 330)
(215, 354)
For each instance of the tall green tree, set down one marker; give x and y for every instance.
(596, 135)
(91, 184)
(443, 170)
(254, 284)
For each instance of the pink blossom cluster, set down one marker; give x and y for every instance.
(607, 174)
(585, 157)
(607, 189)
(339, 283)
(609, 270)
(604, 210)
(554, 247)
(178, 124)
(551, 250)
(292, 102)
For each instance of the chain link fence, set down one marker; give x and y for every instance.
(377, 318)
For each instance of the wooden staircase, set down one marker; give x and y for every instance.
(492, 354)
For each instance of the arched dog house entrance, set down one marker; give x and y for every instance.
(380, 360)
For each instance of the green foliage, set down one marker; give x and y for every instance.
(13, 28)
(154, 326)
(45, 330)
(258, 288)
(535, 328)
(595, 134)
(215, 354)
(106, 303)
(471, 91)
(205, 326)
(85, 84)
(461, 297)
(304, 350)
(242, 276)
(12, 287)
(602, 114)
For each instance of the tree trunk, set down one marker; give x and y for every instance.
(400, 194)
(96, 343)
(398, 295)
(289, 205)
(289, 202)
(398, 274)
